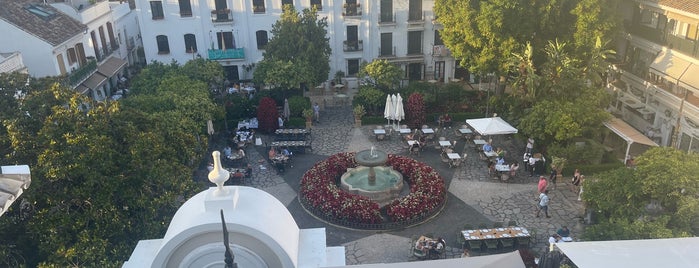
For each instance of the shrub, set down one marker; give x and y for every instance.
(297, 104)
(371, 98)
(415, 111)
(267, 115)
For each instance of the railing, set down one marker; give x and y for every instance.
(106, 51)
(643, 31)
(387, 54)
(353, 45)
(221, 54)
(387, 18)
(440, 51)
(681, 44)
(221, 15)
(78, 76)
(352, 10)
(258, 9)
(416, 17)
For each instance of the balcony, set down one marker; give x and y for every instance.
(78, 76)
(440, 51)
(651, 34)
(258, 9)
(387, 19)
(387, 52)
(106, 51)
(683, 45)
(221, 15)
(352, 10)
(130, 43)
(416, 17)
(352, 45)
(227, 54)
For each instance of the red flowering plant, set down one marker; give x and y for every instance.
(319, 189)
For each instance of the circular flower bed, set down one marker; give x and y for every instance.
(320, 194)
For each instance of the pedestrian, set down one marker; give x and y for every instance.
(582, 179)
(316, 112)
(543, 204)
(530, 145)
(552, 177)
(280, 121)
(532, 165)
(525, 160)
(542, 184)
(575, 182)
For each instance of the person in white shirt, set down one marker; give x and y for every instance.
(280, 121)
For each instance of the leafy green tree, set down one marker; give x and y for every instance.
(595, 19)
(371, 98)
(298, 52)
(657, 199)
(381, 74)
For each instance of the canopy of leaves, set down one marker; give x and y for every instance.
(298, 52)
(371, 98)
(381, 74)
(104, 174)
(660, 198)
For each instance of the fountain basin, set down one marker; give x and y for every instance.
(386, 187)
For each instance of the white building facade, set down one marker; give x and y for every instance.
(656, 83)
(234, 33)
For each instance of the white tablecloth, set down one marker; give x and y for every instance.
(250, 123)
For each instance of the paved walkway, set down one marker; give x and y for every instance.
(473, 198)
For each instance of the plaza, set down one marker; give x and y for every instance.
(473, 197)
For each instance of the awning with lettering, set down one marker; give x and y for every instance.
(111, 66)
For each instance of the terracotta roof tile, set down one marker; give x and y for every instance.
(54, 29)
(691, 6)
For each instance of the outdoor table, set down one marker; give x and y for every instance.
(291, 134)
(479, 142)
(502, 168)
(428, 131)
(292, 131)
(453, 156)
(339, 86)
(405, 131)
(444, 143)
(495, 233)
(297, 146)
(341, 99)
(490, 154)
(411, 142)
(379, 131)
(465, 131)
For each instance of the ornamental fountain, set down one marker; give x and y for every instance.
(372, 178)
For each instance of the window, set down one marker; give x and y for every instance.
(72, 57)
(225, 40)
(261, 39)
(156, 9)
(439, 67)
(415, 10)
(386, 11)
(386, 44)
(414, 71)
(352, 67)
(438, 39)
(258, 6)
(649, 18)
(163, 45)
(287, 2)
(190, 43)
(317, 4)
(414, 42)
(185, 8)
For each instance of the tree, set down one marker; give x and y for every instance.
(267, 115)
(298, 52)
(415, 110)
(381, 74)
(658, 199)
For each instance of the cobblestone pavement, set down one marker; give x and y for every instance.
(473, 196)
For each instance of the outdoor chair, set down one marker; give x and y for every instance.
(475, 245)
(512, 223)
(482, 226)
(460, 239)
(497, 224)
(492, 245)
(523, 242)
(507, 244)
(415, 151)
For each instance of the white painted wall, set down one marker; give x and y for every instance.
(38, 55)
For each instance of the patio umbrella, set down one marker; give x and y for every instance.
(210, 127)
(388, 110)
(286, 113)
(399, 113)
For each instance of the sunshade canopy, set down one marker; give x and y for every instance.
(505, 260)
(672, 252)
(491, 126)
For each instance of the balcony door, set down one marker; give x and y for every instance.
(225, 40)
(386, 44)
(415, 10)
(352, 36)
(221, 7)
(386, 11)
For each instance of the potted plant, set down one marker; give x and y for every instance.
(308, 114)
(557, 164)
(358, 111)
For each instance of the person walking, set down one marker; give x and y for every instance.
(316, 112)
(543, 204)
(530, 145)
(552, 177)
(542, 184)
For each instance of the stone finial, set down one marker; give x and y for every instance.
(218, 175)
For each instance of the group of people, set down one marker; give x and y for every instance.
(562, 235)
(430, 247)
(279, 158)
(444, 120)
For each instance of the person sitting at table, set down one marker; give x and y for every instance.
(563, 231)
(491, 168)
(500, 161)
(272, 153)
(415, 146)
(500, 152)
(446, 120)
(513, 169)
(436, 248)
(553, 239)
(227, 151)
(286, 152)
(241, 152)
(487, 147)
